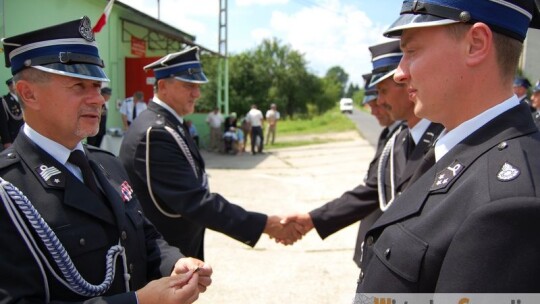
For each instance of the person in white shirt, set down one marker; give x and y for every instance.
(214, 120)
(131, 108)
(272, 116)
(256, 120)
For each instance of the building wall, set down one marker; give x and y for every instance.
(19, 16)
(531, 55)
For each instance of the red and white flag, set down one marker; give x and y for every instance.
(103, 19)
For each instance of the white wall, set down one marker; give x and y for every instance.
(531, 56)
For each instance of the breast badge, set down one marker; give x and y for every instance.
(508, 173)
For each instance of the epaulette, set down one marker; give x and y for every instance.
(8, 157)
(159, 122)
(96, 149)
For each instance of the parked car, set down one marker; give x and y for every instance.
(346, 105)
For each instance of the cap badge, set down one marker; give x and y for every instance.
(51, 175)
(85, 29)
(508, 173)
(465, 16)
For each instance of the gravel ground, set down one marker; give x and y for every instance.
(279, 182)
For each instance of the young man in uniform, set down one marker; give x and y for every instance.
(470, 223)
(395, 162)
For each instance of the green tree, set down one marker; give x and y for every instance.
(273, 73)
(208, 99)
(339, 75)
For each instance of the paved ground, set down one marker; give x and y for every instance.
(278, 182)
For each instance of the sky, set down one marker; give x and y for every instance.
(328, 32)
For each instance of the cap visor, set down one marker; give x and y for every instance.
(80, 70)
(408, 21)
(377, 78)
(369, 98)
(193, 78)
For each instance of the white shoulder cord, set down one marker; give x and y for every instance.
(387, 153)
(185, 149)
(9, 113)
(14, 200)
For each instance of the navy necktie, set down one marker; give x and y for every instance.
(427, 162)
(78, 158)
(134, 111)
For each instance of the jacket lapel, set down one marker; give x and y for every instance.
(54, 176)
(427, 139)
(112, 189)
(174, 123)
(514, 123)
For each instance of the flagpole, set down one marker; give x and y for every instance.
(158, 10)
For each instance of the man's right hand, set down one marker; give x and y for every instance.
(302, 219)
(179, 289)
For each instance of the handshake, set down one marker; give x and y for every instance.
(288, 229)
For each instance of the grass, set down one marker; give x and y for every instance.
(329, 122)
(298, 143)
(332, 121)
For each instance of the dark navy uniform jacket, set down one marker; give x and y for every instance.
(86, 225)
(178, 190)
(9, 125)
(469, 224)
(362, 203)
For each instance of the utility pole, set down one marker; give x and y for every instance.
(223, 64)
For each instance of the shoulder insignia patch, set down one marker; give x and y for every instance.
(508, 173)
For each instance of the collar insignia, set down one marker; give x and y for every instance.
(508, 173)
(51, 176)
(181, 130)
(446, 175)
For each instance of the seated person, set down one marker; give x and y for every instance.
(239, 147)
(230, 138)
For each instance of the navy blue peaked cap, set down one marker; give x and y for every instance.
(385, 59)
(106, 91)
(185, 66)
(67, 49)
(370, 92)
(521, 82)
(536, 87)
(508, 17)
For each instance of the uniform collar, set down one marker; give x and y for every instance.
(162, 104)
(522, 97)
(56, 150)
(394, 126)
(419, 129)
(448, 140)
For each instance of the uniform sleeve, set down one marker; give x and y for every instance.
(497, 249)
(175, 186)
(123, 107)
(351, 207)
(161, 257)
(4, 131)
